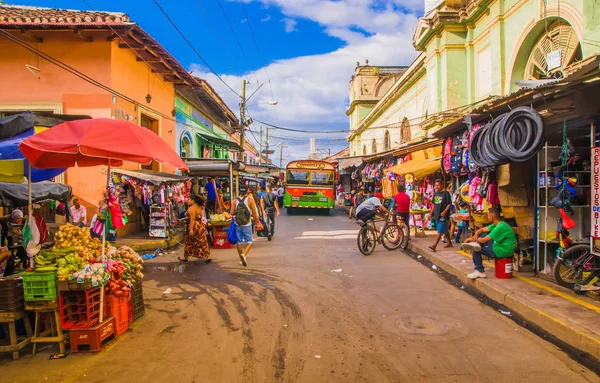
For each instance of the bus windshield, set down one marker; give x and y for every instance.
(297, 177)
(321, 177)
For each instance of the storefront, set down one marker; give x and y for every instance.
(152, 201)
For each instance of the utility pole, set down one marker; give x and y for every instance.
(260, 149)
(267, 146)
(281, 154)
(242, 119)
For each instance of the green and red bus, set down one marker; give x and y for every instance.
(310, 184)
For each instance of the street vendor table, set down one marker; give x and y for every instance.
(16, 342)
(419, 215)
(220, 231)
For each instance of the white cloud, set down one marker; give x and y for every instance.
(290, 25)
(313, 90)
(265, 19)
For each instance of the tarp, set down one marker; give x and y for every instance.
(154, 177)
(418, 168)
(16, 195)
(20, 123)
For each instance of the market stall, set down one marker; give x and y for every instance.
(151, 200)
(80, 279)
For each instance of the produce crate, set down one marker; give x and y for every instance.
(93, 339)
(11, 294)
(79, 308)
(39, 286)
(117, 307)
(130, 310)
(72, 284)
(137, 298)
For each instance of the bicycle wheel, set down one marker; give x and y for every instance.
(406, 238)
(392, 237)
(576, 266)
(366, 240)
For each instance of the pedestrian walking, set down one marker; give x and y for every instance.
(196, 241)
(280, 194)
(243, 210)
(463, 225)
(442, 200)
(352, 202)
(270, 208)
(402, 204)
(212, 204)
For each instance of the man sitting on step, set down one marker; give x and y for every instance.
(499, 242)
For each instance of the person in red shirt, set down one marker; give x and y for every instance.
(402, 204)
(379, 195)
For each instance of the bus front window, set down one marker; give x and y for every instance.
(297, 177)
(322, 177)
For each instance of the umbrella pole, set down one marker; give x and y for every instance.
(103, 247)
(29, 204)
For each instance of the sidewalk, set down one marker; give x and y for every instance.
(573, 320)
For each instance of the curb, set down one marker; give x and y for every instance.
(576, 337)
(153, 244)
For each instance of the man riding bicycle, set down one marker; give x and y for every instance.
(369, 209)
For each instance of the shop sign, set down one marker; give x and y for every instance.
(310, 165)
(553, 59)
(596, 192)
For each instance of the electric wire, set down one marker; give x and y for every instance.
(214, 28)
(256, 46)
(194, 49)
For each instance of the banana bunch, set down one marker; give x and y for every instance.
(47, 260)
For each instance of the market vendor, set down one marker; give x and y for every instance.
(212, 187)
(496, 240)
(78, 214)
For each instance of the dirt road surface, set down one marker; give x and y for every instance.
(308, 308)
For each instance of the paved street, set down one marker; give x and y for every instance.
(289, 318)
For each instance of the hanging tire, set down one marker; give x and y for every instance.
(366, 240)
(576, 266)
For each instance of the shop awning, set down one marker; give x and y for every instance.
(151, 176)
(204, 167)
(349, 162)
(418, 168)
(217, 141)
(17, 195)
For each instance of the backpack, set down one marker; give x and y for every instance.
(242, 213)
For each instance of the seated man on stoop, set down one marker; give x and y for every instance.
(499, 242)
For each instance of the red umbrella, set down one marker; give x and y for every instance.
(99, 141)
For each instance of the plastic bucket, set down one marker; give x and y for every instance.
(504, 268)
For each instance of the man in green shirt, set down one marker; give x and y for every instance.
(499, 242)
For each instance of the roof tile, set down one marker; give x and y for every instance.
(20, 14)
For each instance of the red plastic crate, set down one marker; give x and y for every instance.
(130, 309)
(220, 238)
(118, 308)
(79, 308)
(93, 339)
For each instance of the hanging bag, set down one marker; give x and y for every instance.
(231, 236)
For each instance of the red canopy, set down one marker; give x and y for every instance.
(96, 142)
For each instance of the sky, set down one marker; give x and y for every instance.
(302, 51)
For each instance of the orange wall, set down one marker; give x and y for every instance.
(101, 60)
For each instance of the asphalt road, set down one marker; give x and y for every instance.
(290, 316)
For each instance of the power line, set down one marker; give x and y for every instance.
(302, 131)
(194, 49)
(225, 46)
(256, 46)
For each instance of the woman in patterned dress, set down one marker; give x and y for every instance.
(196, 242)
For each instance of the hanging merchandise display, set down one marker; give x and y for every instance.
(512, 137)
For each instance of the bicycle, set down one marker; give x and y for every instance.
(390, 236)
(576, 266)
(405, 227)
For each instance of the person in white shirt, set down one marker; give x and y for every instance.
(369, 209)
(78, 214)
(280, 193)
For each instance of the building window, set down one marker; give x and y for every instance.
(387, 144)
(405, 131)
(186, 147)
(374, 146)
(364, 150)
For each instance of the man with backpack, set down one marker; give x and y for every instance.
(270, 207)
(243, 209)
